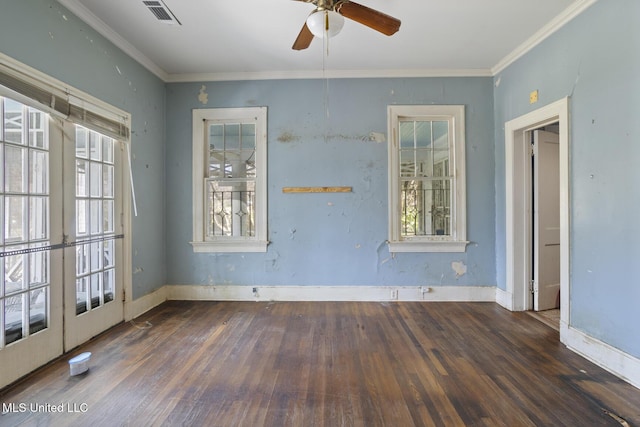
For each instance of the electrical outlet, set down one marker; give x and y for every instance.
(533, 97)
(394, 294)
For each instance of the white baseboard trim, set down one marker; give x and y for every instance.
(135, 308)
(602, 354)
(607, 357)
(331, 293)
(504, 298)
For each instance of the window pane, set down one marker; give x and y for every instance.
(82, 259)
(248, 136)
(95, 148)
(424, 163)
(423, 134)
(13, 121)
(82, 294)
(440, 208)
(38, 310)
(15, 215)
(95, 179)
(441, 134)
(96, 256)
(407, 163)
(108, 284)
(107, 216)
(96, 289)
(1, 164)
(107, 181)
(15, 161)
(13, 319)
(82, 218)
(230, 208)
(216, 137)
(413, 214)
(107, 149)
(82, 185)
(407, 140)
(38, 218)
(108, 251)
(37, 129)
(13, 272)
(38, 268)
(82, 136)
(95, 210)
(232, 136)
(39, 172)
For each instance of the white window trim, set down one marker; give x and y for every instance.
(229, 244)
(457, 242)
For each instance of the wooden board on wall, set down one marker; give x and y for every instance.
(316, 189)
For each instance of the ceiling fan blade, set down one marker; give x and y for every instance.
(304, 38)
(378, 21)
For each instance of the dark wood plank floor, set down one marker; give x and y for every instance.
(326, 364)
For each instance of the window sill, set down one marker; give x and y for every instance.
(230, 246)
(425, 246)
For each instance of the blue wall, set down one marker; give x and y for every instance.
(46, 36)
(318, 135)
(595, 60)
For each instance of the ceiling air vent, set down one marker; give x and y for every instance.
(161, 12)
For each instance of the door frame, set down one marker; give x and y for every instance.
(518, 208)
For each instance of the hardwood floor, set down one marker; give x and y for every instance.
(325, 364)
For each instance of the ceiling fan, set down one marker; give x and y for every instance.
(332, 9)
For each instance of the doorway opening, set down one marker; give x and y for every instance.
(527, 289)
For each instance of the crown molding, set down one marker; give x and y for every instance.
(554, 25)
(97, 24)
(325, 74)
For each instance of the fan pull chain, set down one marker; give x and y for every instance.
(325, 41)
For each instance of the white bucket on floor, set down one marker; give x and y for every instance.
(79, 364)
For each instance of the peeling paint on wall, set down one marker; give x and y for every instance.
(459, 267)
(288, 137)
(378, 137)
(203, 96)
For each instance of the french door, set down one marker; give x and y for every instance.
(61, 237)
(93, 233)
(31, 291)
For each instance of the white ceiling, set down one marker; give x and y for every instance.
(248, 39)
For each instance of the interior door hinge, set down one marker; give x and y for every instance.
(532, 148)
(532, 286)
(124, 294)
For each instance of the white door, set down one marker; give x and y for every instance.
(30, 264)
(546, 236)
(93, 230)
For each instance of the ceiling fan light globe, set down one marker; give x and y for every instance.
(317, 23)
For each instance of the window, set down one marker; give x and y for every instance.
(427, 208)
(229, 180)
